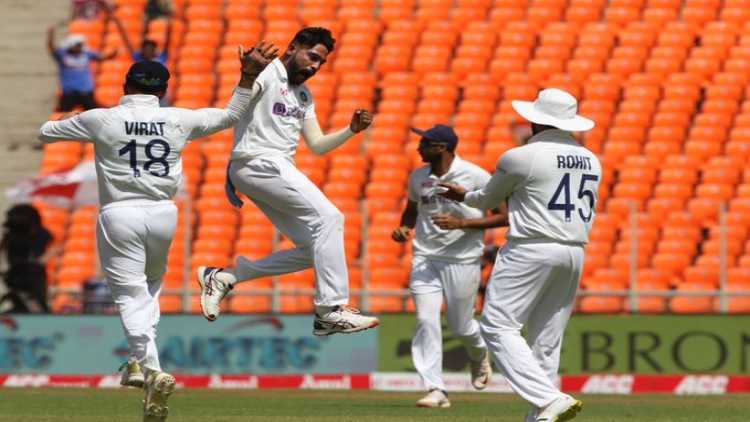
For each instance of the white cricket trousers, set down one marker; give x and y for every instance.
(302, 213)
(133, 238)
(533, 284)
(430, 281)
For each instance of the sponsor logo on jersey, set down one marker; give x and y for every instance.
(280, 109)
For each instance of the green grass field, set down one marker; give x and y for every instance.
(88, 405)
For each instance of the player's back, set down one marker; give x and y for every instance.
(138, 144)
(138, 149)
(557, 198)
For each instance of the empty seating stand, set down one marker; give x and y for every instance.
(666, 82)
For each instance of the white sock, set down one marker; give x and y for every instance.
(227, 276)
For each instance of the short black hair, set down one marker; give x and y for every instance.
(148, 76)
(314, 35)
(147, 42)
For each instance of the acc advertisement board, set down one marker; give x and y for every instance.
(285, 345)
(187, 344)
(663, 344)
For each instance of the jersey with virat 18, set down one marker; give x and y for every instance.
(138, 144)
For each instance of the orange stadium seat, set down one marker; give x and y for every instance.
(665, 80)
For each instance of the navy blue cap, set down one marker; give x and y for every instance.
(439, 133)
(148, 74)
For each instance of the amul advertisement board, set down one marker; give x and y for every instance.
(187, 344)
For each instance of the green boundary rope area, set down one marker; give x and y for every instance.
(86, 405)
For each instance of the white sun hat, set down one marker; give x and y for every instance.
(554, 107)
(72, 40)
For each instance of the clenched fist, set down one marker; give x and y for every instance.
(401, 234)
(361, 119)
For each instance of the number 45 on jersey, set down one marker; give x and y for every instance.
(563, 189)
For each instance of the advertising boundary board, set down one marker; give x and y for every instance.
(608, 344)
(188, 344)
(622, 384)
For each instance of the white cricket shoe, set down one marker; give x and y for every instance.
(212, 291)
(159, 386)
(564, 408)
(132, 376)
(435, 398)
(342, 319)
(481, 372)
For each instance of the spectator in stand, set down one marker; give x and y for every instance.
(24, 248)
(73, 59)
(149, 48)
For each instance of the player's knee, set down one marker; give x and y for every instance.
(464, 331)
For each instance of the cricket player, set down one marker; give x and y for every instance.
(139, 168)
(552, 185)
(262, 167)
(448, 247)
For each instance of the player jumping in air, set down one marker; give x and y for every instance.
(262, 167)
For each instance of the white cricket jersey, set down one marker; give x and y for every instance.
(460, 246)
(552, 187)
(138, 145)
(273, 124)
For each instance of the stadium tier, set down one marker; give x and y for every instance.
(665, 80)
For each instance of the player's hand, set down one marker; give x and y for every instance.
(448, 222)
(453, 191)
(401, 234)
(361, 119)
(256, 59)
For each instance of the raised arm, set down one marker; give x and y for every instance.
(108, 10)
(51, 41)
(168, 39)
(512, 168)
(207, 121)
(320, 144)
(75, 128)
(111, 55)
(123, 34)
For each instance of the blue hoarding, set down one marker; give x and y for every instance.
(187, 344)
